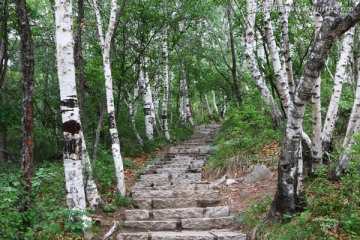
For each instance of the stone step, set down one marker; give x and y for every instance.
(183, 235)
(161, 203)
(160, 225)
(206, 223)
(145, 194)
(177, 213)
(204, 185)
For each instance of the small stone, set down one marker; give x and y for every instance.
(230, 181)
(259, 172)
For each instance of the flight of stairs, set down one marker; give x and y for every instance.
(172, 202)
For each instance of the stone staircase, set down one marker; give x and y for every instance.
(172, 202)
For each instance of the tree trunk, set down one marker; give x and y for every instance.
(98, 130)
(182, 101)
(214, 102)
(224, 105)
(164, 111)
(331, 115)
(284, 15)
(28, 82)
(233, 54)
(253, 67)
(201, 108)
(188, 112)
(316, 148)
(148, 106)
(208, 106)
(69, 107)
(105, 42)
(289, 193)
(282, 84)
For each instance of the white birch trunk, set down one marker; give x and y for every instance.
(355, 114)
(187, 104)
(105, 42)
(156, 94)
(316, 148)
(214, 102)
(284, 16)
(75, 196)
(223, 100)
(182, 99)
(147, 101)
(282, 84)
(92, 193)
(253, 67)
(331, 115)
(208, 106)
(164, 110)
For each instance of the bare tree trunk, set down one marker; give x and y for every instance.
(208, 106)
(253, 67)
(214, 102)
(316, 148)
(288, 198)
(233, 54)
(201, 108)
(28, 82)
(69, 107)
(182, 99)
(188, 112)
(105, 42)
(98, 130)
(223, 101)
(164, 111)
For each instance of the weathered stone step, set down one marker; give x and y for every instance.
(160, 225)
(161, 203)
(183, 235)
(206, 223)
(203, 185)
(144, 194)
(177, 213)
(162, 179)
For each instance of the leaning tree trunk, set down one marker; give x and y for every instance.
(253, 67)
(282, 84)
(164, 111)
(316, 148)
(208, 106)
(148, 106)
(105, 42)
(223, 100)
(28, 82)
(331, 115)
(288, 198)
(69, 107)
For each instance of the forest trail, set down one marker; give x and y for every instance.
(173, 201)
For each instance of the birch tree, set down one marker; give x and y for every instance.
(253, 67)
(216, 109)
(331, 115)
(69, 107)
(182, 98)
(105, 43)
(289, 192)
(28, 83)
(164, 110)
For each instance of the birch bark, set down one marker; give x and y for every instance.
(331, 115)
(214, 102)
(164, 111)
(105, 42)
(253, 67)
(69, 107)
(208, 106)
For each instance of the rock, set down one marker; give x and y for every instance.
(151, 225)
(230, 181)
(185, 235)
(131, 215)
(259, 172)
(206, 223)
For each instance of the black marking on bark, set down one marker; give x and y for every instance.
(70, 102)
(71, 126)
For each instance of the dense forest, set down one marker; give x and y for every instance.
(93, 91)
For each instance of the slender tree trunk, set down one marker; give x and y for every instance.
(79, 60)
(284, 15)
(147, 101)
(105, 42)
(98, 130)
(182, 101)
(214, 102)
(201, 108)
(3, 68)
(69, 107)
(288, 198)
(316, 148)
(224, 105)
(208, 106)
(164, 111)
(253, 67)
(28, 82)
(282, 84)
(331, 115)
(233, 54)
(188, 112)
